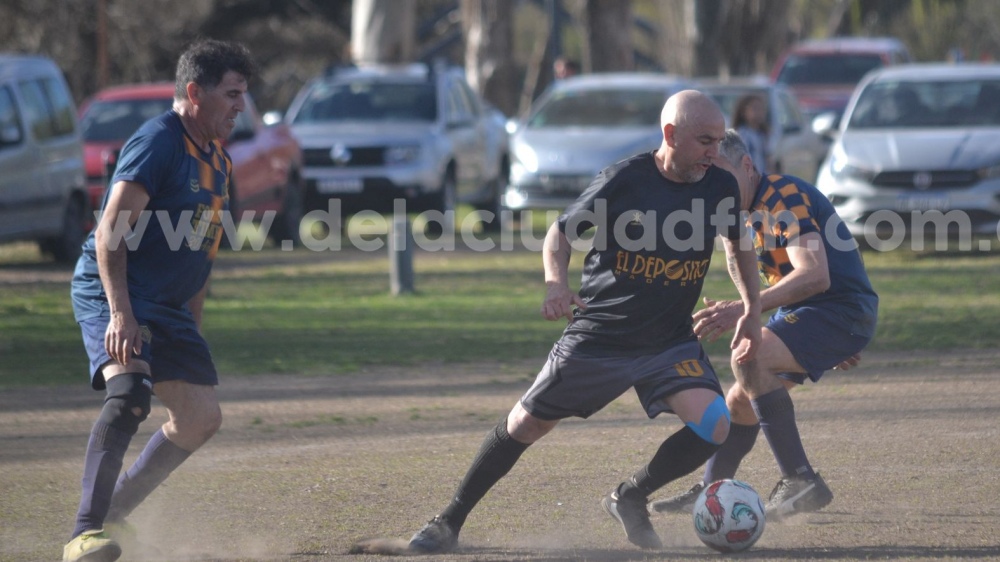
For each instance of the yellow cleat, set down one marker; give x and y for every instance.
(92, 546)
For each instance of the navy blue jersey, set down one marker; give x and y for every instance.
(652, 248)
(787, 207)
(175, 241)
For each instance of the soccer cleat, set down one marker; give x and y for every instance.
(681, 503)
(435, 537)
(92, 546)
(634, 518)
(797, 494)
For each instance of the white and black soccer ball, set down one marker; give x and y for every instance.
(729, 516)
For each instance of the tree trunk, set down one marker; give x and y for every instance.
(707, 20)
(752, 34)
(382, 31)
(608, 31)
(489, 67)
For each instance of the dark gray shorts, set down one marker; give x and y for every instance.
(575, 384)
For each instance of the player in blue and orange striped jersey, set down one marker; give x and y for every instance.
(138, 291)
(813, 276)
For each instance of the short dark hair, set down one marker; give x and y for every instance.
(206, 61)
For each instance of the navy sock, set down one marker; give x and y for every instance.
(155, 463)
(497, 455)
(777, 420)
(726, 460)
(102, 463)
(679, 455)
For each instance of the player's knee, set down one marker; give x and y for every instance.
(714, 424)
(738, 402)
(128, 401)
(191, 432)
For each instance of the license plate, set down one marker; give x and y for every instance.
(340, 185)
(922, 203)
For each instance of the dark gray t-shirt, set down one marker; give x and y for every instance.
(652, 246)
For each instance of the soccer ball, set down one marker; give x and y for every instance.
(729, 516)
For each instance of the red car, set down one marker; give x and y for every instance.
(822, 73)
(267, 160)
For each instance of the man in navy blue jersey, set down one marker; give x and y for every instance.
(138, 297)
(656, 215)
(825, 315)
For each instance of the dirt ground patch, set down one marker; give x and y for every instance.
(305, 467)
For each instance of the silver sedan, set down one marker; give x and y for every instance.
(580, 126)
(918, 153)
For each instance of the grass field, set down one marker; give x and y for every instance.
(380, 402)
(332, 313)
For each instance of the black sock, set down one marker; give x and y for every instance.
(726, 460)
(155, 463)
(102, 463)
(777, 420)
(497, 455)
(678, 456)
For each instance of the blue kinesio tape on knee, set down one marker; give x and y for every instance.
(713, 413)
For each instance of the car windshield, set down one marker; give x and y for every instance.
(601, 108)
(840, 68)
(116, 120)
(369, 101)
(943, 103)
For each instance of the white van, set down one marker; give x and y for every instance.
(42, 183)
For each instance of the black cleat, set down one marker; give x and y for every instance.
(681, 503)
(435, 537)
(797, 494)
(634, 518)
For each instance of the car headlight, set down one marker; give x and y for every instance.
(402, 154)
(526, 157)
(841, 168)
(989, 172)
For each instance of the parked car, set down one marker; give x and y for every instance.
(579, 126)
(822, 73)
(42, 192)
(267, 160)
(376, 133)
(917, 138)
(795, 149)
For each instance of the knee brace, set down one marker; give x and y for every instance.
(709, 419)
(127, 393)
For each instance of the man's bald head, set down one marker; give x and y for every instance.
(690, 106)
(692, 125)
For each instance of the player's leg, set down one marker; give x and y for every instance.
(772, 404)
(743, 430)
(194, 417)
(681, 381)
(126, 405)
(706, 425)
(185, 384)
(498, 453)
(800, 489)
(564, 387)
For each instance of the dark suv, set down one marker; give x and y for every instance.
(375, 134)
(823, 73)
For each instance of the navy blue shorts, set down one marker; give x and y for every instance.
(820, 337)
(173, 352)
(575, 384)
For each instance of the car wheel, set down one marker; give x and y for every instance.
(66, 247)
(286, 225)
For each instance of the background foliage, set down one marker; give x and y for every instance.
(295, 40)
